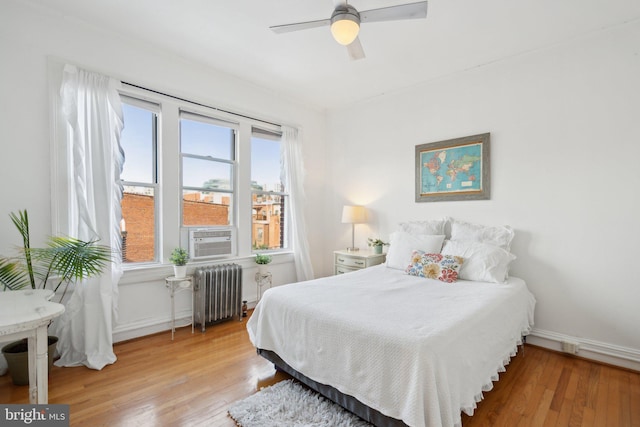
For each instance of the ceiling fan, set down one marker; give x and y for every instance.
(345, 22)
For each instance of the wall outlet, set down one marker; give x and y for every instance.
(570, 347)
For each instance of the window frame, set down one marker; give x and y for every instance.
(155, 108)
(274, 135)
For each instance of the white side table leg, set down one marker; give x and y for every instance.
(42, 369)
(32, 343)
(173, 313)
(193, 309)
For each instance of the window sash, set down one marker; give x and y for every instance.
(192, 163)
(153, 108)
(271, 134)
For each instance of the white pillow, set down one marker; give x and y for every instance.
(402, 245)
(431, 227)
(497, 236)
(482, 262)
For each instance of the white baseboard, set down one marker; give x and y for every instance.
(148, 327)
(589, 349)
(145, 327)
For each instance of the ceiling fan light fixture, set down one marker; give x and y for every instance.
(345, 25)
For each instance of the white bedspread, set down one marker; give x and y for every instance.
(415, 349)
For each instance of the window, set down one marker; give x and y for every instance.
(268, 195)
(208, 149)
(139, 179)
(182, 171)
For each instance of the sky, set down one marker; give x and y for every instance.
(198, 138)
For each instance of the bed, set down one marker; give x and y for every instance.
(394, 348)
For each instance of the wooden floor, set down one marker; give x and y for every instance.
(192, 381)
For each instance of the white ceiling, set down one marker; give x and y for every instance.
(233, 36)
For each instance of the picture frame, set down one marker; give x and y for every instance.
(453, 170)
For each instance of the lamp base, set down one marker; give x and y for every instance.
(353, 249)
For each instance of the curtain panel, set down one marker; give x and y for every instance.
(93, 113)
(293, 179)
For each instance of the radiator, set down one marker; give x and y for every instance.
(217, 294)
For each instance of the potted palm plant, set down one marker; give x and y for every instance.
(179, 258)
(64, 260)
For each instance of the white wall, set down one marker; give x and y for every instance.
(565, 132)
(30, 38)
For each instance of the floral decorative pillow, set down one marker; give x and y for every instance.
(435, 266)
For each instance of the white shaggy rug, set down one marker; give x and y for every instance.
(288, 404)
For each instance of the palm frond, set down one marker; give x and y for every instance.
(12, 275)
(72, 259)
(21, 221)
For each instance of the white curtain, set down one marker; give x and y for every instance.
(91, 106)
(293, 180)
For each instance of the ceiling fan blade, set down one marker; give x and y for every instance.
(392, 13)
(287, 28)
(355, 49)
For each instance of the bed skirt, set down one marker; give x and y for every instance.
(350, 403)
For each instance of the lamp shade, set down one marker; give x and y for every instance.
(345, 31)
(354, 214)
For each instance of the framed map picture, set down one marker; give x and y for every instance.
(456, 169)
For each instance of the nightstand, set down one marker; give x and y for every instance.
(346, 261)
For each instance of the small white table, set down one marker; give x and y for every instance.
(27, 314)
(175, 285)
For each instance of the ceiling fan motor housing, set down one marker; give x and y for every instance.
(347, 12)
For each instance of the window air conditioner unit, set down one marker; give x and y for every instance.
(211, 242)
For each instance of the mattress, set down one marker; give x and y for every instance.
(414, 349)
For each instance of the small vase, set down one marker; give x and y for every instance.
(262, 269)
(377, 249)
(180, 271)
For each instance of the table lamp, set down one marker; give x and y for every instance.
(353, 215)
